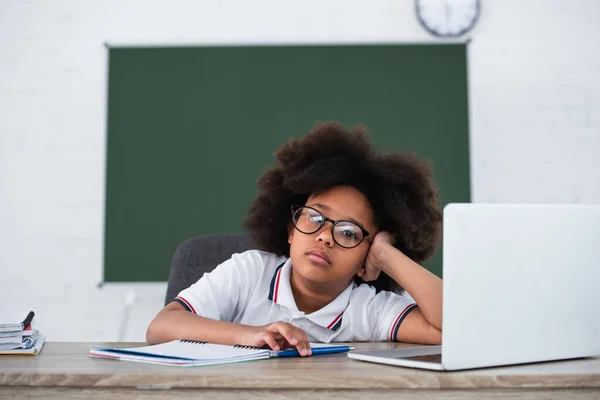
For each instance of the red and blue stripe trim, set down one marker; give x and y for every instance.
(274, 290)
(186, 304)
(336, 323)
(399, 319)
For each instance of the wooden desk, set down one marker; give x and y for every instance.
(64, 370)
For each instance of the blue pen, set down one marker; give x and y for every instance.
(315, 351)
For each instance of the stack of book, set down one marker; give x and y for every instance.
(17, 335)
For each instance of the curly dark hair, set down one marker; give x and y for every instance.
(399, 187)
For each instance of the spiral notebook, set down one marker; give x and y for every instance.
(190, 353)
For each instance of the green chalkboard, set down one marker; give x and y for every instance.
(190, 129)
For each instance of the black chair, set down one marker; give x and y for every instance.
(201, 254)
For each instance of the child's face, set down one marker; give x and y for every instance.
(316, 258)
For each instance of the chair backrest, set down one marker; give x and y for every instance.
(201, 254)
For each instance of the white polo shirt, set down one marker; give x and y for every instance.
(253, 288)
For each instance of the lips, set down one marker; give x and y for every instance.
(319, 256)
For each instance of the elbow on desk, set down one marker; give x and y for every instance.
(159, 330)
(152, 333)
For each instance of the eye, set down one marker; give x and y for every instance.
(349, 233)
(315, 217)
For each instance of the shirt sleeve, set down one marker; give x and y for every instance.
(224, 292)
(387, 311)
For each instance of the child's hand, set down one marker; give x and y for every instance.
(277, 335)
(374, 263)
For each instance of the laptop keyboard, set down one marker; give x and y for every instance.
(433, 358)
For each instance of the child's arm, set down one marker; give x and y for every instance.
(174, 322)
(424, 324)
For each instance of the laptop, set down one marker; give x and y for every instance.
(520, 286)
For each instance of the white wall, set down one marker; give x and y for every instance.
(534, 108)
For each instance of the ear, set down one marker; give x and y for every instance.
(291, 230)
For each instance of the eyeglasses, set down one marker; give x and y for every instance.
(346, 234)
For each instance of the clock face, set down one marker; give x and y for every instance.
(447, 18)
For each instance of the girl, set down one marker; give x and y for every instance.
(339, 230)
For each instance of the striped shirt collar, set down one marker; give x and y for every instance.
(329, 317)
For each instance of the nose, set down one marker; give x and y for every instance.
(324, 235)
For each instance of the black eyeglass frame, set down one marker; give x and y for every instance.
(333, 224)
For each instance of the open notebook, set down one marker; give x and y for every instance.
(190, 353)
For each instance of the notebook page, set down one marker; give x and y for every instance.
(171, 361)
(188, 350)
